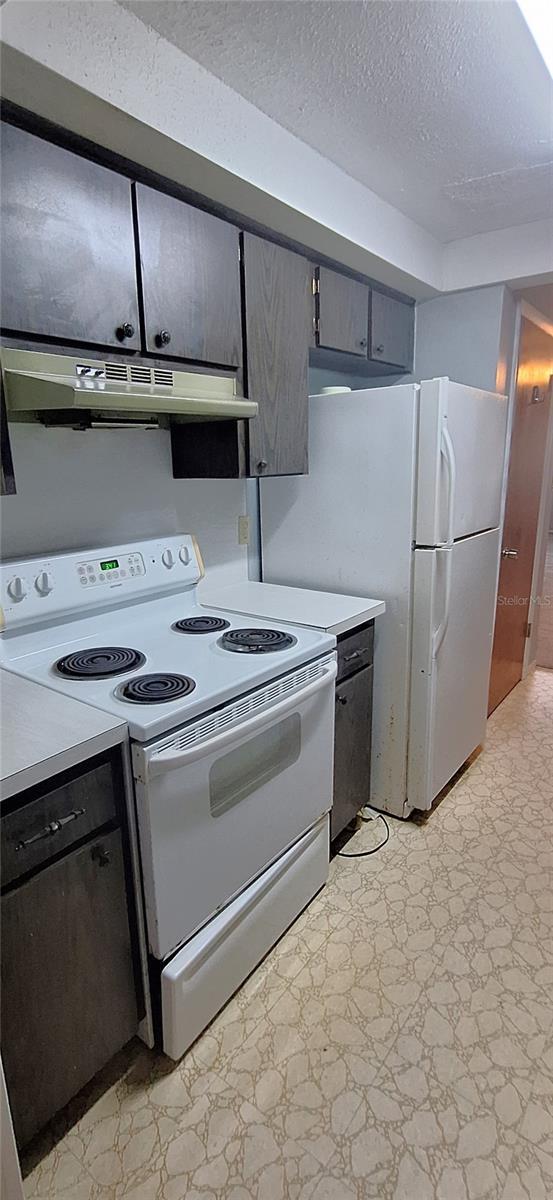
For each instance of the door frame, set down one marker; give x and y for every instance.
(524, 309)
(542, 529)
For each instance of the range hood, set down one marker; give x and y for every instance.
(57, 388)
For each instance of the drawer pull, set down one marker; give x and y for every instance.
(354, 654)
(49, 830)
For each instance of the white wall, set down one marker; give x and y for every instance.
(468, 336)
(101, 487)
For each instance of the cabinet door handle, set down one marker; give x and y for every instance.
(379, 349)
(54, 827)
(363, 343)
(100, 855)
(341, 699)
(261, 466)
(163, 337)
(126, 330)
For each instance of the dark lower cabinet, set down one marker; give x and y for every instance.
(277, 308)
(190, 266)
(67, 245)
(69, 999)
(352, 745)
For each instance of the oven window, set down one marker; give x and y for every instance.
(236, 775)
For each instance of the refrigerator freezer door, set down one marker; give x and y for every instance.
(348, 527)
(460, 476)
(453, 618)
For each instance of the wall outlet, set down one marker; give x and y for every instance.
(243, 531)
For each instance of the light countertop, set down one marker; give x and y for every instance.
(43, 732)
(298, 606)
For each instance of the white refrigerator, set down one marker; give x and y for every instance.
(403, 503)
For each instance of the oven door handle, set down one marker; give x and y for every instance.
(166, 760)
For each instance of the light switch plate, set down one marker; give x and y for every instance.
(243, 531)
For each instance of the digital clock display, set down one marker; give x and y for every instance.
(109, 566)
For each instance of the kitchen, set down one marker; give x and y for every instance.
(176, 567)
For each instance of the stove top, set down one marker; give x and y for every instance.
(140, 647)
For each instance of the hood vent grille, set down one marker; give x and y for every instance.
(127, 373)
(58, 389)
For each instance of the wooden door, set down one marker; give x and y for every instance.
(342, 313)
(277, 287)
(352, 749)
(67, 246)
(68, 991)
(533, 399)
(392, 331)
(190, 268)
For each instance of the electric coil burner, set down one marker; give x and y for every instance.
(98, 662)
(256, 641)
(201, 625)
(156, 689)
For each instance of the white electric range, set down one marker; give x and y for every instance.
(232, 744)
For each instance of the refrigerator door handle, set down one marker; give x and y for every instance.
(439, 633)
(446, 447)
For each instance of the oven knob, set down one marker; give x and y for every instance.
(184, 555)
(168, 558)
(17, 588)
(44, 583)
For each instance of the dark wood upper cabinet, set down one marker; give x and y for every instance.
(190, 280)
(67, 245)
(341, 312)
(277, 287)
(392, 331)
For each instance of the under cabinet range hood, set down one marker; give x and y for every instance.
(58, 389)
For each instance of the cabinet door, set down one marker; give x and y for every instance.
(67, 245)
(190, 280)
(277, 312)
(352, 749)
(392, 331)
(68, 992)
(343, 313)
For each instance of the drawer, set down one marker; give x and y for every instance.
(355, 651)
(30, 835)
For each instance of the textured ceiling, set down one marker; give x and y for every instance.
(443, 109)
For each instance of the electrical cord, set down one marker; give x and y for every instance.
(375, 849)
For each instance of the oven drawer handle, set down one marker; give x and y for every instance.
(167, 760)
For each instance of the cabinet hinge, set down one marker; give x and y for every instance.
(528, 629)
(315, 324)
(315, 286)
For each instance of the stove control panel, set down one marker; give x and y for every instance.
(45, 588)
(93, 572)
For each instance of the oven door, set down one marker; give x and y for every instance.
(224, 797)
